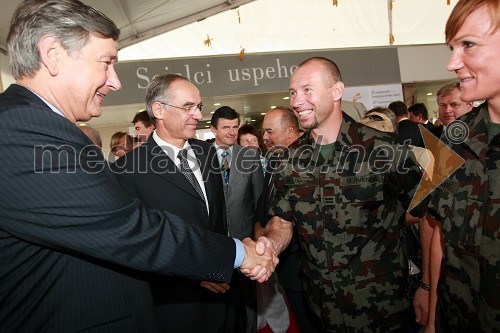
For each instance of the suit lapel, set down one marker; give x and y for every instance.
(233, 173)
(162, 166)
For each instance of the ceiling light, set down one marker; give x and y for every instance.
(216, 104)
(429, 94)
(253, 119)
(212, 112)
(262, 113)
(273, 107)
(287, 97)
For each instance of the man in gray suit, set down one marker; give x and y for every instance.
(243, 184)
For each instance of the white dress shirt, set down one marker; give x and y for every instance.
(172, 152)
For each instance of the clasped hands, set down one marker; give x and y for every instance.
(260, 259)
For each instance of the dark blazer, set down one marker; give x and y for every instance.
(408, 130)
(429, 125)
(71, 240)
(181, 305)
(288, 267)
(438, 131)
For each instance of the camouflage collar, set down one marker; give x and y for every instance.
(306, 145)
(476, 130)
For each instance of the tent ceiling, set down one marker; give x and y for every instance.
(139, 20)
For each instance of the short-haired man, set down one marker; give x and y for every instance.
(71, 241)
(153, 172)
(348, 208)
(450, 106)
(418, 113)
(281, 129)
(144, 125)
(408, 131)
(243, 182)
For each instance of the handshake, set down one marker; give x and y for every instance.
(260, 259)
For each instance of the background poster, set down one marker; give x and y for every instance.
(374, 96)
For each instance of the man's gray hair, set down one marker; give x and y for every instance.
(69, 21)
(157, 90)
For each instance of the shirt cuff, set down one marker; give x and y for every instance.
(240, 253)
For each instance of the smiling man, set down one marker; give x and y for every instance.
(72, 243)
(348, 208)
(152, 173)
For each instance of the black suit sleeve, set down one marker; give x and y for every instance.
(59, 193)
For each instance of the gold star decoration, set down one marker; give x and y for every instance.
(335, 3)
(239, 18)
(208, 42)
(242, 54)
(448, 2)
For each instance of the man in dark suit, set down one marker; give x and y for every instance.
(408, 131)
(243, 183)
(72, 242)
(418, 113)
(151, 173)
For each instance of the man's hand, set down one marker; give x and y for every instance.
(421, 305)
(215, 287)
(278, 233)
(259, 262)
(258, 231)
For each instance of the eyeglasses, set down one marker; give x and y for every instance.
(188, 108)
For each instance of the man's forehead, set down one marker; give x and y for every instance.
(228, 122)
(271, 121)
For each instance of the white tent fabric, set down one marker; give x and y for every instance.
(292, 25)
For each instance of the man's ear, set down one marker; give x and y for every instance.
(338, 91)
(51, 52)
(213, 129)
(157, 110)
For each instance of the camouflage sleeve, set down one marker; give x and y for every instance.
(406, 177)
(280, 206)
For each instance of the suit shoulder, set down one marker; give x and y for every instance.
(203, 144)
(202, 147)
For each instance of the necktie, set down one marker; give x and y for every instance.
(186, 170)
(225, 167)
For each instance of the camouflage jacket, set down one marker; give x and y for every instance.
(468, 204)
(349, 212)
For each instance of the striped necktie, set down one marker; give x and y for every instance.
(186, 170)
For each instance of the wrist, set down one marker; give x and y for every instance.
(424, 286)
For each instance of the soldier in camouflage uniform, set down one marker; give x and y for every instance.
(345, 187)
(468, 203)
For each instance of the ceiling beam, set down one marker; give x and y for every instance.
(230, 4)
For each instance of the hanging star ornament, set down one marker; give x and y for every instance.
(208, 42)
(242, 54)
(335, 3)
